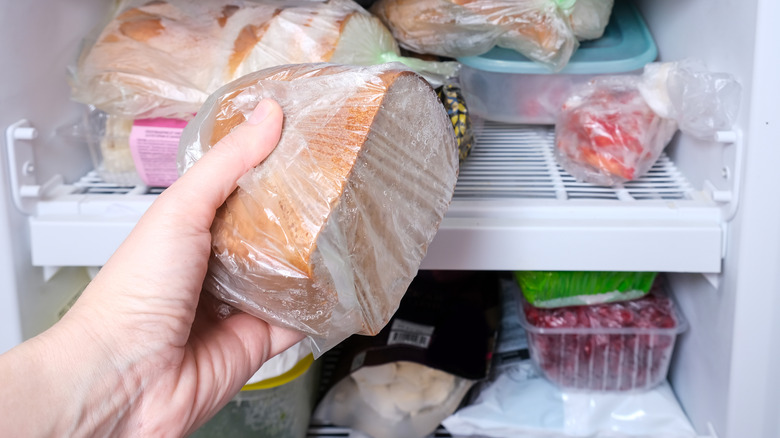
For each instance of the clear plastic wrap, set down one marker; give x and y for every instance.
(163, 58)
(702, 102)
(539, 29)
(327, 233)
(607, 134)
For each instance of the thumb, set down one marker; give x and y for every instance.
(213, 177)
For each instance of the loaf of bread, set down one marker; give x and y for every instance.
(538, 29)
(327, 233)
(163, 58)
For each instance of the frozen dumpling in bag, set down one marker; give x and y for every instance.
(589, 18)
(327, 233)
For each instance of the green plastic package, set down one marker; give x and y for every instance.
(577, 288)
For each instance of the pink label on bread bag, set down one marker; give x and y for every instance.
(154, 144)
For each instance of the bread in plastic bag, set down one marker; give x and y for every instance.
(607, 134)
(539, 29)
(327, 233)
(163, 58)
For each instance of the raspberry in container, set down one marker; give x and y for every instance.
(623, 346)
(504, 86)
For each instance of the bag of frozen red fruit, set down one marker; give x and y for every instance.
(607, 134)
(613, 129)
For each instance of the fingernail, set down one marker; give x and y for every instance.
(260, 113)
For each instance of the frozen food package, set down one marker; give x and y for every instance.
(589, 18)
(163, 58)
(607, 134)
(403, 382)
(623, 346)
(516, 401)
(539, 29)
(582, 288)
(327, 233)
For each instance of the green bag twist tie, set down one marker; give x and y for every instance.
(565, 4)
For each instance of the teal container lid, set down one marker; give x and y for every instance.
(625, 46)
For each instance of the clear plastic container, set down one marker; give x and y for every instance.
(602, 352)
(279, 407)
(504, 86)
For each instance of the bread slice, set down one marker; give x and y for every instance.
(327, 233)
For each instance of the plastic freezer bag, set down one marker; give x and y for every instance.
(607, 134)
(581, 288)
(163, 58)
(539, 29)
(612, 129)
(327, 233)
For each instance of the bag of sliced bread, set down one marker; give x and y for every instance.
(154, 63)
(327, 233)
(163, 58)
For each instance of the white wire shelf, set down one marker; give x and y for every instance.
(514, 208)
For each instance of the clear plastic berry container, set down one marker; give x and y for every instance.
(623, 346)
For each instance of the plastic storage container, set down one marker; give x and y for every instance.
(504, 86)
(625, 346)
(576, 288)
(279, 407)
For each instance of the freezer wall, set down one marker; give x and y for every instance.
(722, 369)
(38, 42)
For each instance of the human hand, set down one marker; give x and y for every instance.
(139, 353)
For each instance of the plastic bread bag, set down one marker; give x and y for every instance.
(335, 31)
(613, 128)
(163, 58)
(539, 29)
(589, 18)
(327, 233)
(403, 382)
(607, 134)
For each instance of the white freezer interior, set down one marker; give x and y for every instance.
(513, 209)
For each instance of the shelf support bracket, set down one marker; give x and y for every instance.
(25, 189)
